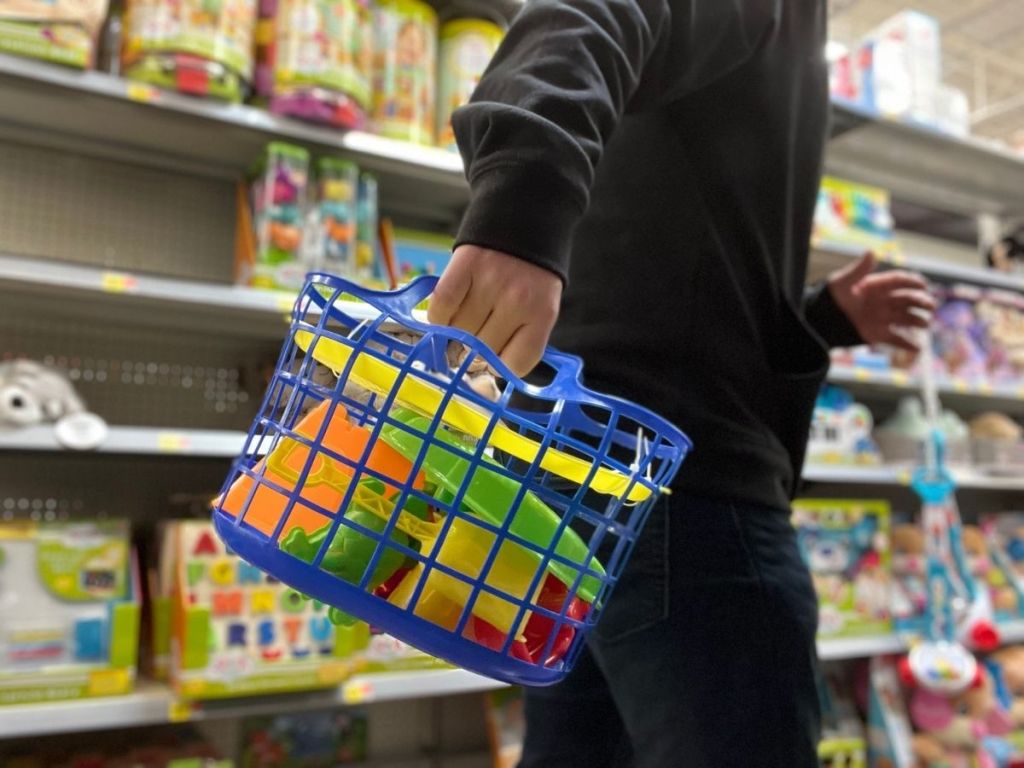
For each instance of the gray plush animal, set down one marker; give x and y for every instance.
(32, 393)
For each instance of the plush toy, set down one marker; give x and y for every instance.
(32, 393)
(981, 566)
(908, 566)
(1011, 664)
(960, 335)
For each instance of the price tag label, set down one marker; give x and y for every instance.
(900, 378)
(142, 92)
(285, 303)
(862, 374)
(172, 442)
(118, 282)
(357, 692)
(108, 682)
(179, 711)
(986, 388)
(332, 673)
(904, 476)
(961, 386)
(897, 259)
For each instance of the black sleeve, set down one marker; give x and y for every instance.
(534, 131)
(827, 319)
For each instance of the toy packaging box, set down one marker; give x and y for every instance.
(306, 740)
(841, 431)
(60, 31)
(69, 602)
(854, 214)
(842, 743)
(845, 543)
(236, 631)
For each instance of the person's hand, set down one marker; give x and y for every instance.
(507, 303)
(882, 306)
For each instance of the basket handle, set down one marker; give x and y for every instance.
(400, 304)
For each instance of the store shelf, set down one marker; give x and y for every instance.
(153, 703)
(924, 166)
(96, 113)
(1001, 397)
(134, 440)
(835, 649)
(828, 256)
(162, 301)
(966, 479)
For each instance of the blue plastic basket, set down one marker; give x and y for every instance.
(377, 481)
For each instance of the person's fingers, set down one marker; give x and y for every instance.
(478, 304)
(895, 280)
(908, 319)
(526, 347)
(450, 291)
(856, 271)
(499, 327)
(905, 298)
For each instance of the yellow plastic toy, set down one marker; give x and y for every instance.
(380, 376)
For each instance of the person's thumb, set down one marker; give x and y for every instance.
(849, 276)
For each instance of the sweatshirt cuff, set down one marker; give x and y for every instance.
(526, 211)
(827, 319)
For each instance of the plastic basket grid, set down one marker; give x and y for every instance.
(611, 437)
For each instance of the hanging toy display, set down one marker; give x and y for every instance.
(315, 59)
(480, 533)
(958, 614)
(405, 64)
(466, 48)
(202, 47)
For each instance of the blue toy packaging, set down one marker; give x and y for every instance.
(70, 612)
(841, 431)
(846, 546)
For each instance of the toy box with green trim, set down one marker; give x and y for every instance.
(70, 611)
(846, 545)
(855, 215)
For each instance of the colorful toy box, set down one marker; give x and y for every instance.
(69, 604)
(405, 70)
(466, 48)
(841, 431)
(854, 214)
(845, 543)
(277, 207)
(315, 59)
(306, 740)
(201, 47)
(334, 227)
(60, 31)
(236, 631)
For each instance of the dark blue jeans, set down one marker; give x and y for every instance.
(704, 658)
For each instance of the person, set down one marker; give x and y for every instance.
(645, 171)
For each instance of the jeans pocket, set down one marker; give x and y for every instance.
(640, 599)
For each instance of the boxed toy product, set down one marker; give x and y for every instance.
(61, 31)
(69, 607)
(840, 431)
(854, 214)
(405, 69)
(466, 48)
(194, 46)
(333, 223)
(842, 743)
(306, 740)
(845, 543)
(236, 631)
(277, 209)
(315, 59)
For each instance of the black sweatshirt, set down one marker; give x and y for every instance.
(663, 158)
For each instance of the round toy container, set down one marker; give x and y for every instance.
(320, 57)
(202, 47)
(405, 64)
(378, 480)
(466, 48)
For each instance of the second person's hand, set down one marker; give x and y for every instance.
(509, 304)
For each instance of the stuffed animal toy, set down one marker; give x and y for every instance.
(32, 393)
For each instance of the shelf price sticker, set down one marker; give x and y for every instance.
(901, 378)
(357, 692)
(986, 388)
(118, 282)
(179, 711)
(142, 92)
(172, 442)
(108, 682)
(960, 385)
(862, 374)
(904, 477)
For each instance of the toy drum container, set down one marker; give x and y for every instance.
(465, 50)
(202, 47)
(405, 63)
(377, 480)
(316, 59)
(337, 185)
